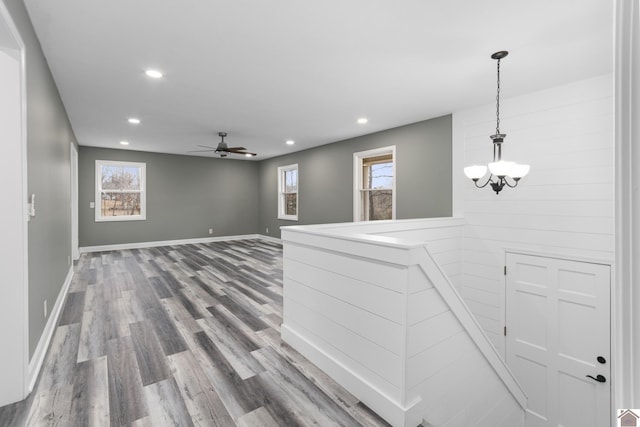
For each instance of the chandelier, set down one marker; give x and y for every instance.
(502, 173)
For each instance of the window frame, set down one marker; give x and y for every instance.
(358, 187)
(98, 191)
(282, 194)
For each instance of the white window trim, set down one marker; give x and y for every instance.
(357, 178)
(98, 191)
(281, 198)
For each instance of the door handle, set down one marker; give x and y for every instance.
(599, 378)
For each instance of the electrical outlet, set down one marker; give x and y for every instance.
(267, 230)
(211, 231)
(45, 309)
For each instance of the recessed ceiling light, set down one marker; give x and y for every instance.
(124, 142)
(290, 142)
(362, 120)
(248, 155)
(134, 121)
(153, 74)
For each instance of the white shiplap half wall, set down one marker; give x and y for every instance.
(565, 206)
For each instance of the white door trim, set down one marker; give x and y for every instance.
(626, 339)
(75, 253)
(19, 389)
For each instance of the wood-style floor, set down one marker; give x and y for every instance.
(180, 336)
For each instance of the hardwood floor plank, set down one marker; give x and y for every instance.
(235, 351)
(259, 417)
(126, 396)
(117, 318)
(73, 308)
(92, 335)
(239, 310)
(51, 407)
(170, 339)
(152, 365)
(90, 404)
(302, 396)
(199, 395)
(238, 395)
(166, 407)
(58, 369)
(160, 288)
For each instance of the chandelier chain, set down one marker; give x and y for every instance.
(498, 102)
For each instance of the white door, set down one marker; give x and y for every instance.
(558, 339)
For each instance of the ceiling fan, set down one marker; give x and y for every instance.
(223, 149)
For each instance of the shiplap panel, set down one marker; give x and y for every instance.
(449, 256)
(565, 239)
(424, 305)
(492, 285)
(430, 332)
(481, 309)
(510, 206)
(368, 325)
(602, 225)
(482, 296)
(370, 271)
(461, 379)
(492, 327)
(503, 414)
(467, 413)
(377, 361)
(381, 301)
(423, 366)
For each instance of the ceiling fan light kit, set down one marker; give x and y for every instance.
(501, 171)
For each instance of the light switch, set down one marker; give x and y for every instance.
(92, 205)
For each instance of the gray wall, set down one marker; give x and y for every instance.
(325, 194)
(48, 136)
(186, 195)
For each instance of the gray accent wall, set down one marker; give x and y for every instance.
(186, 195)
(49, 135)
(325, 193)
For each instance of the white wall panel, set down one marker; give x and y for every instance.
(384, 302)
(563, 207)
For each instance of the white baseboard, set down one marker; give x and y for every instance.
(270, 238)
(382, 404)
(141, 245)
(35, 364)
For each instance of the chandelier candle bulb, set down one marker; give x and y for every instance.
(519, 171)
(475, 172)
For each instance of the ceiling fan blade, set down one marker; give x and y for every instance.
(206, 146)
(242, 152)
(201, 151)
(235, 148)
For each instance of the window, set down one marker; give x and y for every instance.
(288, 192)
(374, 184)
(120, 191)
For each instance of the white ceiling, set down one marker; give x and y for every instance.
(267, 71)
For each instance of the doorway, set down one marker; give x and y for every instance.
(558, 338)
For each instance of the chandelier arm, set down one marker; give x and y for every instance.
(489, 181)
(509, 185)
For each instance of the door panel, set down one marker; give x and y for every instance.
(558, 323)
